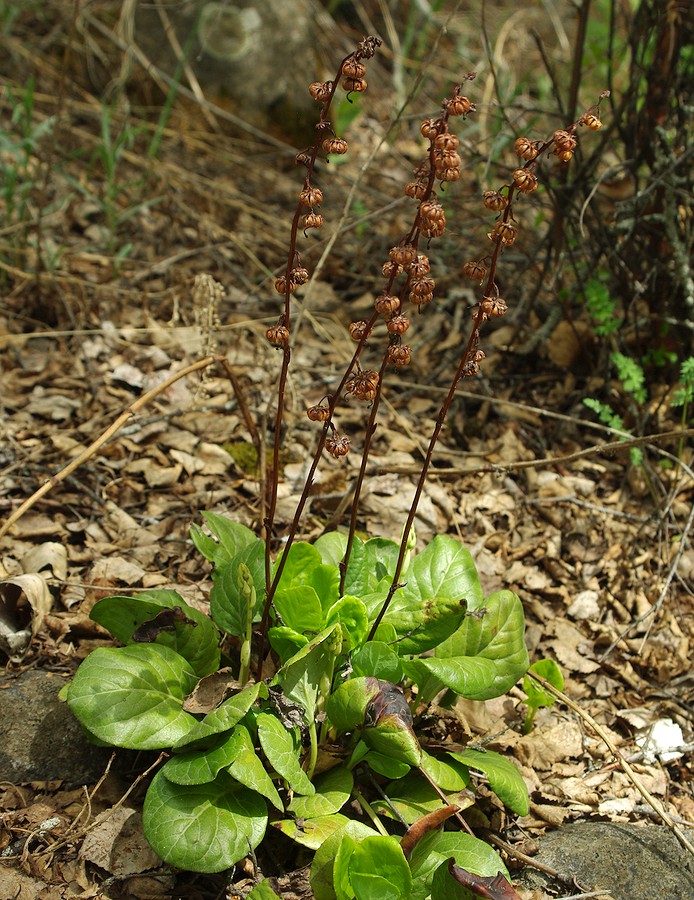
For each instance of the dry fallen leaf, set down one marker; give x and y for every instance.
(24, 603)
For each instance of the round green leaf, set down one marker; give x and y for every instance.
(203, 828)
(351, 613)
(537, 695)
(324, 860)
(378, 870)
(132, 696)
(504, 778)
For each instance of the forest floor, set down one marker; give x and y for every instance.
(598, 549)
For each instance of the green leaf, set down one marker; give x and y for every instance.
(346, 706)
(333, 790)
(467, 676)
(497, 636)
(122, 615)
(413, 797)
(203, 766)
(299, 608)
(322, 869)
(351, 613)
(381, 560)
(301, 560)
(300, 677)
(282, 750)
(387, 766)
(232, 537)
(248, 769)
(286, 642)
(436, 848)
(312, 833)
(449, 775)
(378, 870)
(504, 778)
(379, 660)
(203, 828)
(225, 716)
(441, 584)
(133, 696)
(325, 581)
(228, 599)
(537, 695)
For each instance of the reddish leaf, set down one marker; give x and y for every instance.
(423, 826)
(496, 888)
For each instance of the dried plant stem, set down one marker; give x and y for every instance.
(655, 804)
(102, 439)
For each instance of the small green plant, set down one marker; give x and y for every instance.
(536, 694)
(359, 636)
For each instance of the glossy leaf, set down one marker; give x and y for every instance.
(378, 660)
(203, 766)
(504, 778)
(322, 868)
(387, 766)
(448, 774)
(333, 790)
(351, 614)
(299, 608)
(123, 615)
(282, 750)
(228, 600)
(378, 870)
(496, 636)
(413, 797)
(347, 705)
(436, 848)
(286, 642)
(203, 828)
(311, 833)
(300, 677)
(302, 559)
(550, 671)
(232, 537)
(248, 769)
(225, 716)
(133, 696)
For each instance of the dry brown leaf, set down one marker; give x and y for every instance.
(24, 604)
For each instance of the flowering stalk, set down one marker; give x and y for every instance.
(503, 234)
(352, 70)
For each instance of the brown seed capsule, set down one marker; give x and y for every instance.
(459, 106)
(491, 308)
(281, 285)
(416, 189)
(356, 85)
(450, 174)
(446, 159)
(363, 385)
(334, 145)
(563, 155)
(472, 366)
(434, 228)
(446, 141)
(403, 254)
(421, 266)
(337, 446)
(318, 413)
(525, 148)
(277, 335)
(357, 330)
(592, 122)
(391, 269)
(387, 304)
(399, 354)
(525, 181)
(320, 90)
(564, 141)
(475, 271)
(503, 233)
(312, 220)
(299, 275)
(352, 68)
(311, 196)
(430, 128)
(420, 287)
(430, 209)
(368, 47)
(398, 324)
(494, 200)
(303, 158)
(420, 300)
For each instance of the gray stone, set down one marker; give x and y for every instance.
(630, 861)
(41, 739)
